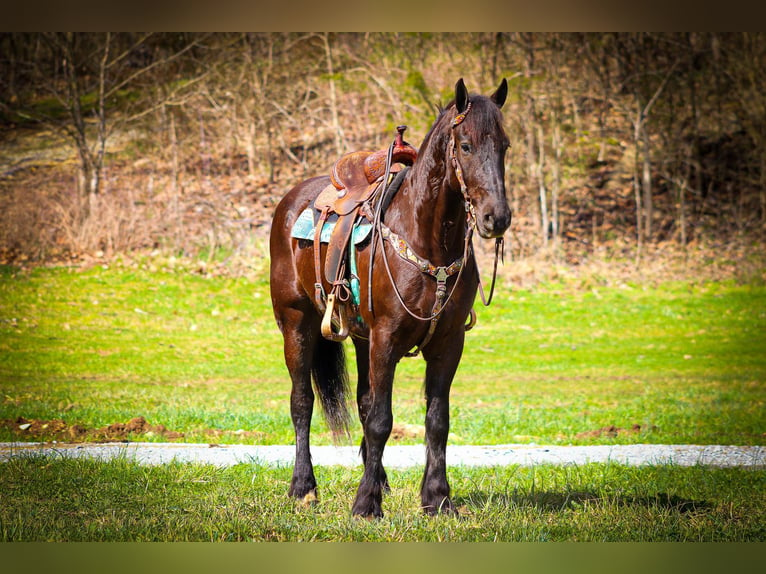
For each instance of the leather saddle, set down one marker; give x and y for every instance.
(355, 179)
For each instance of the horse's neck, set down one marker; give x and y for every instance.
(429, 211)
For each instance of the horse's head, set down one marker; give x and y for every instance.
(478, 145)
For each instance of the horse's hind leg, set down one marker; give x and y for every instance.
(300, 333)
(363, 386)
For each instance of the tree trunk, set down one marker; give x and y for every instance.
(338, 131)
(762, 191)
(556, 183)
(637, 125)
(682, 199)
(646, 184)
(177, 213)
(91, 159)
(534, 145)
(541, 186)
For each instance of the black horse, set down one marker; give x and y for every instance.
(455, 186)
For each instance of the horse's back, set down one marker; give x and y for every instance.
(293, 203)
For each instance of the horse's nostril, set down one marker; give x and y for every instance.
(498, 223)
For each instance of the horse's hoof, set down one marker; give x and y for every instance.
(368, 513)
(310, 499)
(445, 508)
(307, 500)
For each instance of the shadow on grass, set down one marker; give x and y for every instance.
(550, 501)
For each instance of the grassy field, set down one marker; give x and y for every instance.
(199, 358)
(679, 363)
(69, 500)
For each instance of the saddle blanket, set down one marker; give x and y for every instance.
(305, 227)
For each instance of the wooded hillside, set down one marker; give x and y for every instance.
(625, 146)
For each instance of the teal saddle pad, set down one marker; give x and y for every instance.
(305, 227)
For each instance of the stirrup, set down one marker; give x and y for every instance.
(327, 322)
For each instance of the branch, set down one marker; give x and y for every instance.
(168, 101)
(650, 104)
(153, 65)
(127, 52)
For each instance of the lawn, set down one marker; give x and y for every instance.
(197, 358)
(50, 499)
(201, 356)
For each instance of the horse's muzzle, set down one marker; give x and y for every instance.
(493, 223)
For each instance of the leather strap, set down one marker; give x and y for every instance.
(319, 294)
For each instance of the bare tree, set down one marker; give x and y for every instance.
(747, 74)
(86, 74)
(78, 63)
(340, 138)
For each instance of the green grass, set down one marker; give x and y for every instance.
(686, 362)
(48, 499)
(198, 354)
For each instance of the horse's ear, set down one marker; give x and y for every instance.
(500, 94)
(461, 96)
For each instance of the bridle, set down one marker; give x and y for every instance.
(440, 273)
(458, 169)
(470, 210)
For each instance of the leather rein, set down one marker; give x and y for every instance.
(440, 273)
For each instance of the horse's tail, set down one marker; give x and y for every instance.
(331, 382)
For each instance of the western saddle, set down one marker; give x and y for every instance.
(356, 179)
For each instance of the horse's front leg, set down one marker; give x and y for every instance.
(440, 370)
(363, 394)
(377, 420)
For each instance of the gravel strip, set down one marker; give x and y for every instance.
(396, 456)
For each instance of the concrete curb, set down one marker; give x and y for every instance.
(397, 456)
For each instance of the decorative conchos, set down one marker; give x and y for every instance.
(404, 251)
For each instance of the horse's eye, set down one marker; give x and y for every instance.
(466, 147)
